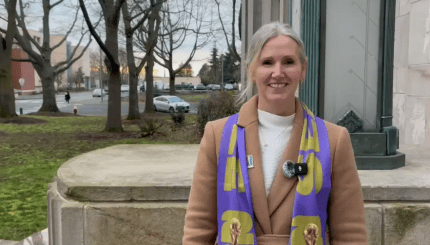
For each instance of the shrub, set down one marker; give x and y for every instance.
(218, 105)
(150, 127)
(178, 117)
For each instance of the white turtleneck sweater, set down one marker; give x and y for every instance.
(275, 131)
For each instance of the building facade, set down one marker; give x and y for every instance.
(369, 57)
(32, 80)
(411, 98)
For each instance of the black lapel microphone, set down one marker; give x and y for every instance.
(292, 169)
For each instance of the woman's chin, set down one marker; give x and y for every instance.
(278, 98)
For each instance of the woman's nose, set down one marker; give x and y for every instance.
(277, 70)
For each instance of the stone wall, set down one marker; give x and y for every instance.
(411, 85)
(138, 194)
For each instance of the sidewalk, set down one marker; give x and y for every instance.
(7, 242)
(38, 238)
(32, 97)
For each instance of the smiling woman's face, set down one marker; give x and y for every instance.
(277, 73)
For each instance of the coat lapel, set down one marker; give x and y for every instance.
(283, 185)
(248, 118)
(265, 206)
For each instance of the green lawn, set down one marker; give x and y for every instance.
(31, 154)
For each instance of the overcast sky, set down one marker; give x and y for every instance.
(63, 15)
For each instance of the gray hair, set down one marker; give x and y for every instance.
(263, 34)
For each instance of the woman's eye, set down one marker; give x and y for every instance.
(267, 62)
(289, 62)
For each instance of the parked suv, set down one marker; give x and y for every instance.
(216, 87)
(200, 87)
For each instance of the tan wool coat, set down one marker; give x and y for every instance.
(273, 214)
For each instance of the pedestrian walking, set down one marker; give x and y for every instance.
(67, 97)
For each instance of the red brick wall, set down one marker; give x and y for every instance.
(22, 70)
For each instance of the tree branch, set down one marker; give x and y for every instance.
(223, 28)
(93, 31)
(71, 61)
(21, 23)
(117, 6)
(55, 4)
(68, 32)
(22, 60)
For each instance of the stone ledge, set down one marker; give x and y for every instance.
(120, 174)
(409, 183)
(130, 172)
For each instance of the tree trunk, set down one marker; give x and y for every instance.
(152, 35)
(7, 96)
(48, 89)
(149, 103)
(172, 83)
(113, 122)
(133, 104)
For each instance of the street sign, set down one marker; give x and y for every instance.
(21, 82)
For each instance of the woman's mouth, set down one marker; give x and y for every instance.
(277, 85)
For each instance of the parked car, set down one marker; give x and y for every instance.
(209, 86)
(166, 87)
(216, 87)
(184, 86)
(170, 103)
(158, 85)
(142, 89)
(200, 87)
(228, 86)
(98, 92)
(125, 88)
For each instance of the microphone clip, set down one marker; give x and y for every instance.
(292, 169)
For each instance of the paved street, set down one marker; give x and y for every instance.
(86, 104)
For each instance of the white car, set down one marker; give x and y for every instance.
(98, 92)
(228, 86)
(125, 88)
(170, 103)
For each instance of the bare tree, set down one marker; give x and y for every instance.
(7, 97)
(177, 26)
(111, 13)
(40, 55)
(230, 35)
(147, 37)
(131, 16)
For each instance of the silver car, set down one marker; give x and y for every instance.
(98, 92)
(170, 103)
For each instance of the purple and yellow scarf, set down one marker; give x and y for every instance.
(235, 210)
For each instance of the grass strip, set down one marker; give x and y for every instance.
(30, 156)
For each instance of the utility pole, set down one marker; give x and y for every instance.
(222, 72)
(100, 74)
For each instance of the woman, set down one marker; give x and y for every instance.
(321, 204)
